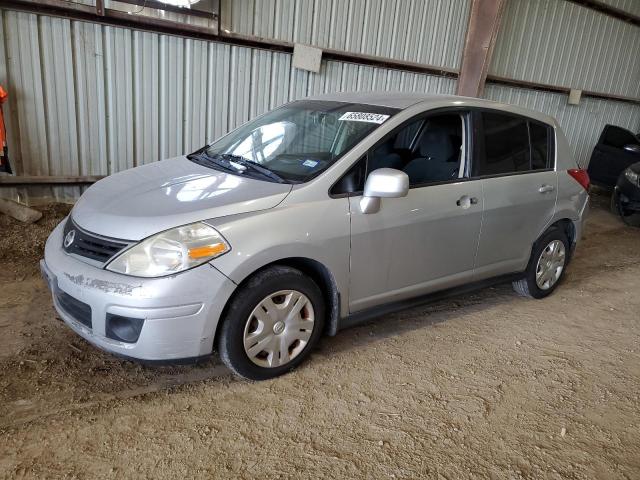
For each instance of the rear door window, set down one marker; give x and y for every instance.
(505, 145)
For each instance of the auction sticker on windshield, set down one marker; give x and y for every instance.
(310, 163)
(363, 117)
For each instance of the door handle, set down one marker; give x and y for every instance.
(546, 188)
(466, 201)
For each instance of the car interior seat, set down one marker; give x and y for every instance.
(385, 156)
(437, 159)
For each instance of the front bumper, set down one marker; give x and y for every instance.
(180, 312)
(628, 194)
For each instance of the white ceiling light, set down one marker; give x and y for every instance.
(180, 3)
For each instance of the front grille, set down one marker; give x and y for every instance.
(80, 311)
(89, 245)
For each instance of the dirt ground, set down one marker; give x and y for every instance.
(487, 385)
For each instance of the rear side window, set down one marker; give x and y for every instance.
(506, 145)
(540, 146)
(511, 144)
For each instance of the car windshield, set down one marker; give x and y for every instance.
(294, 143)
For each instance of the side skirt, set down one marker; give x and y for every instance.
(368, 314)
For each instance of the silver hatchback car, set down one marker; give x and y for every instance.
(312, 217)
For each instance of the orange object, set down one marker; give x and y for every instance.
(4, 151)
(207, 251)
(3, 132)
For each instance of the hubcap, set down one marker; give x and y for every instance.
(550, 265)
(279, 328)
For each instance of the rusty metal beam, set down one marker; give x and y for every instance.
(100, 7)
(545, 87)
(482, 31)
(26, 180)
(605, 9)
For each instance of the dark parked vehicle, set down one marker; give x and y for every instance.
(625, 199)
(616, 150)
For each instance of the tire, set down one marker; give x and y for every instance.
(615, 208)
(263, 313)
(528, 285)
(628, 217)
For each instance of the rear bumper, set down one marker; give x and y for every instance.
(179, 313)
(582, 219)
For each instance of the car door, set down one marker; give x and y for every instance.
(609, 157)
(427, 240)
(519, 184)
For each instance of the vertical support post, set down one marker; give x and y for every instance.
(482, 30)
(100, 7)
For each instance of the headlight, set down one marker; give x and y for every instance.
(632, 176)
(172, 251)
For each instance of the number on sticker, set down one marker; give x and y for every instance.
(364, 117)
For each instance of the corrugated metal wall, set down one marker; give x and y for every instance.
(561, 43)
(106, 99)
(424, 31)
(90, 99)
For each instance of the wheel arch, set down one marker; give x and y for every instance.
(567, 226)
(315, 270)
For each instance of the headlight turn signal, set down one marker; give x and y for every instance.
(172, 251)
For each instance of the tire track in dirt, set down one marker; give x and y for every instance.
(34, 413)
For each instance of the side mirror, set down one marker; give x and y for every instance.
(632, 148)
(383, 183)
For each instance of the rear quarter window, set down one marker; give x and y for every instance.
(541, 145)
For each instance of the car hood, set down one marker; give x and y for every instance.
(139, 202)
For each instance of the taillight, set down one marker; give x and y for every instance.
(580, 176)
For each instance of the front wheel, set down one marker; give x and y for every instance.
(546, 266)
(614, 206)
(272, 323)
(629, 217)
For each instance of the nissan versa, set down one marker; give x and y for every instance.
(311, 217)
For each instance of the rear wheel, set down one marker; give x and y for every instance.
(272, 323)
(546, 266)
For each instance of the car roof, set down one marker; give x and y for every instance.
(402, 101)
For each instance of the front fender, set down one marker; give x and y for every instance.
(317, 231)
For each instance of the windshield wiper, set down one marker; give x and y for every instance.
(211, 161)
(234, 163)
(256, 167)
